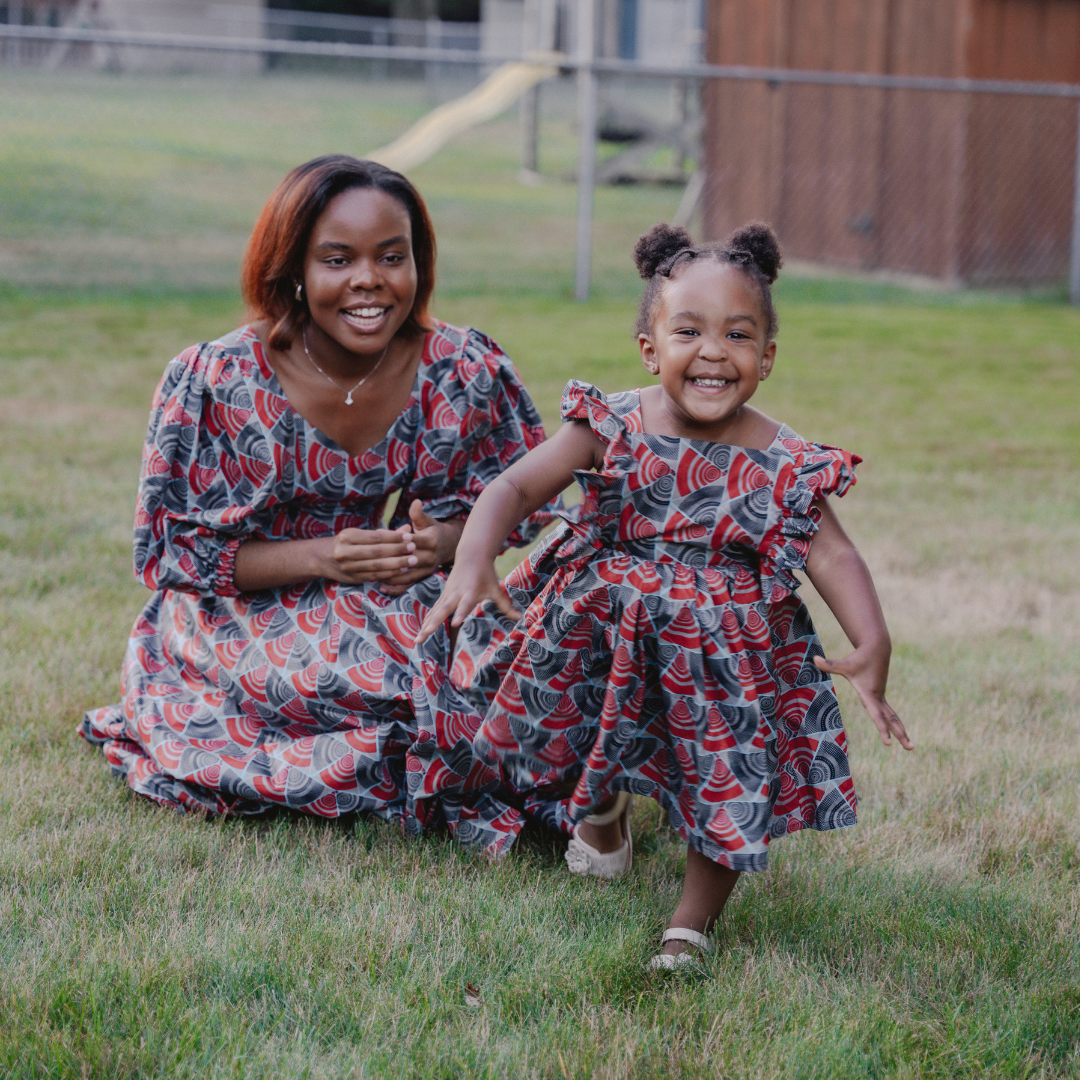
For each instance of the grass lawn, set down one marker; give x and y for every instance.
(938, 938)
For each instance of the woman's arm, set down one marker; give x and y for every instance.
(512, 496)
(397, 557)
(840, 576)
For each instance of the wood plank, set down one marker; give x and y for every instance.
(939, 184)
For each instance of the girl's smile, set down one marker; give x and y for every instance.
(709, 346)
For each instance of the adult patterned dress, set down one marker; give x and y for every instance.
(663, 649)
(300, 697)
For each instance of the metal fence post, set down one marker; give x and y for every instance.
(530, 100)
(432, 40)
(1074, 255)
(587, 94)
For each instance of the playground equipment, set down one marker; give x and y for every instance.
(493, 96)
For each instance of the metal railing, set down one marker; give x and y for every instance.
(589, 69)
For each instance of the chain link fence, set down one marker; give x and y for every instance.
(966, 186)
(969, 183)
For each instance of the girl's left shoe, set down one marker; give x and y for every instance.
(582, 858)
(684, 961)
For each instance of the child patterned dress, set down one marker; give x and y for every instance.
(300, 697)
(663, 648)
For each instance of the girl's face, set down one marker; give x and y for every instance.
(708, 345)
(359, 272)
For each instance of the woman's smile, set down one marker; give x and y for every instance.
(366, 318)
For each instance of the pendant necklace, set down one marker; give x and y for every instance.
(349, 394)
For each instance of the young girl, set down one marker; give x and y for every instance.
(662, 648)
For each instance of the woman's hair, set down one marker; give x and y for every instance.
(274, 261)
(753, 248)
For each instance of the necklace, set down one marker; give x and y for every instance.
(349, 394)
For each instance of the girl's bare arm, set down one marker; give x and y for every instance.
(840, 576)
(521, 490)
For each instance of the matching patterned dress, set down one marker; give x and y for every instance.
(663, 648)
(302, 697)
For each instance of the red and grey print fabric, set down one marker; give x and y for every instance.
(299, 697)
(663, 649)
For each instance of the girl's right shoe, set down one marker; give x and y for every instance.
(582, 858)
(685, 961)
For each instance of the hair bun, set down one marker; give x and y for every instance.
(658, 244)
(759, 242)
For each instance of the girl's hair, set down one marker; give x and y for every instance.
(753, 248)
(274, 261)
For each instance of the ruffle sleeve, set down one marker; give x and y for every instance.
(208, 475)
(477, 420)
(583, 401)
(816, 470)
(595, 522)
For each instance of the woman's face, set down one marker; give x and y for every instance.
(359, 272)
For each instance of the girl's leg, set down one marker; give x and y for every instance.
(706, 888)
(605, 838)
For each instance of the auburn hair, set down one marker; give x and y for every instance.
(274, 260)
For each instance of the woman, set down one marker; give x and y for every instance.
(271, 666)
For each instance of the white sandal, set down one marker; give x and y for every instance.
(680, 961)
(582, 858)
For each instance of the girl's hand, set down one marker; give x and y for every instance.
(434, 544)
(466, 587)
(867, 669)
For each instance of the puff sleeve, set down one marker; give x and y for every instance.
(208, 475)
(478, 419)
(817, 470)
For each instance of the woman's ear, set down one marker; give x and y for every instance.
(648, 354)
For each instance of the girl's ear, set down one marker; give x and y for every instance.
(767, 359)
(648, 354)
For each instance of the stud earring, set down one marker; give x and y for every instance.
(299, 290)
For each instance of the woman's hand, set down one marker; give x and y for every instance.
(867, 669)
(434, 544)
(467, 585)
(397, 557)
(393, 557)
(356, 555)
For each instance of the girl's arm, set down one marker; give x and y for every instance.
(530, 483)
(840, 576)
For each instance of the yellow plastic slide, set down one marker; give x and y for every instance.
(494, 95)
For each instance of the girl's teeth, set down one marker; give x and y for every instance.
(709, 382)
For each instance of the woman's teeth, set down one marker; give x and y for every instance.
(365, 316)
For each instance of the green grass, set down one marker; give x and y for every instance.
(939, 938)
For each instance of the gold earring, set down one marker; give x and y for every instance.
(299, 290)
